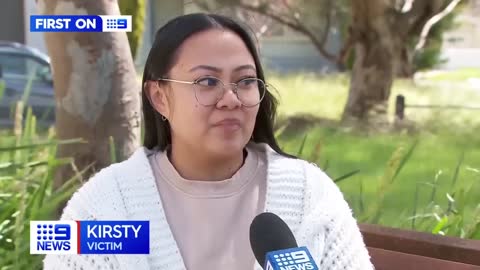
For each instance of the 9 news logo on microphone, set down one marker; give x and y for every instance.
(80, 23)
(290, 259)
(89, 237)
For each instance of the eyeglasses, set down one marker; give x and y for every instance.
(209, 90)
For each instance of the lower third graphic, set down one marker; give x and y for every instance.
(89, 237)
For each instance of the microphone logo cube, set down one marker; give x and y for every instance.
(269, 266)
(290, 259)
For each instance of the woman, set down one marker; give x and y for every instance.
(210, 164)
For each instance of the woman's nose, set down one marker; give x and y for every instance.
(229, 99)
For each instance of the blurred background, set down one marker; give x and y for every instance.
(384, 95)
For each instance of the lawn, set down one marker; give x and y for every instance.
(325, 96)
(446, 156)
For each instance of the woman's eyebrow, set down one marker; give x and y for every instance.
(205, 67)
(245, 67)
(216, 69)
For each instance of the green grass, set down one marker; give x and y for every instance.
(310, 93)
(443, 138)
(457, 75)
(342, 152)
(325, 97)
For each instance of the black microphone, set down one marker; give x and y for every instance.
(274, 244)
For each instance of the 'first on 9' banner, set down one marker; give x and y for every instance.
(80, 23)
(89, 237)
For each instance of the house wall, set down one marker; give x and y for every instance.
(467, 34)
(33, 39)
(289, 53)
(11, 21)
(157, 14)
(461, 47)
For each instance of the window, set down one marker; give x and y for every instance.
(22, 67)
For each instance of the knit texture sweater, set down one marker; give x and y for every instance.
(297, 191)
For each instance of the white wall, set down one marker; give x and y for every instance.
(461, 46)
(32, 39)
(461, 58)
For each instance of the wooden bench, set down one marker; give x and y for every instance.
(395, 249)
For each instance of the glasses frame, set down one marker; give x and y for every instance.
(234, 88)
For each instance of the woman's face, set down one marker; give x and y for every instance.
(221, 129)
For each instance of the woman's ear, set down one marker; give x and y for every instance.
(157, 95)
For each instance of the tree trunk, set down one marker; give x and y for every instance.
(380, 35)
(405, 66)
(374, 66)
(96, 89)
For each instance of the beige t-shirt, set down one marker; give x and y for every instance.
(210, 221)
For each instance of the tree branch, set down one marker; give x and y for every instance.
(407, 6)
(291, 20)
(412, 22)
(271, 15)
(293, 12)
(296, 25)
(347, 46)
(326, 29)
(435, 19)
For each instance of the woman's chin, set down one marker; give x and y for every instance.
(227, 147)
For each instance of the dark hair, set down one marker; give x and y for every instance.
(161, 57)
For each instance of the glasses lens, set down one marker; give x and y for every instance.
(251, 91)
(208, 91)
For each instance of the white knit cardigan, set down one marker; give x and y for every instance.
(297, 191)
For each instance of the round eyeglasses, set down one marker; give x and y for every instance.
(209, 90)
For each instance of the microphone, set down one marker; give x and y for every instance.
(275, 247)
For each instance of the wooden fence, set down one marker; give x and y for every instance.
(401, 105)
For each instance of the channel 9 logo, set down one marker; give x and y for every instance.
(116, 24)
(53, 237)
(89, 237)
(290, 259)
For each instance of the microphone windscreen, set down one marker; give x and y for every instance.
(268, 232)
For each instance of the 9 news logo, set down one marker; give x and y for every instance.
(53, 237)
(117, 24)
(90, 237)
(290, 259)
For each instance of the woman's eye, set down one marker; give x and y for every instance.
(247, 82)
(211, 82)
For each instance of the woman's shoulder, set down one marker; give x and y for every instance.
(309, 171)
(319, 187)
(100, 195)
(87, 201)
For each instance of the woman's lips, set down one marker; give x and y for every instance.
(230, 124)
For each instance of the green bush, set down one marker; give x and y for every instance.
(27, 165)
(135, 8)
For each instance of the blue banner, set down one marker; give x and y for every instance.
(114, 237)
(66, 23)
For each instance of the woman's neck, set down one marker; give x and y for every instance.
(204, 168)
